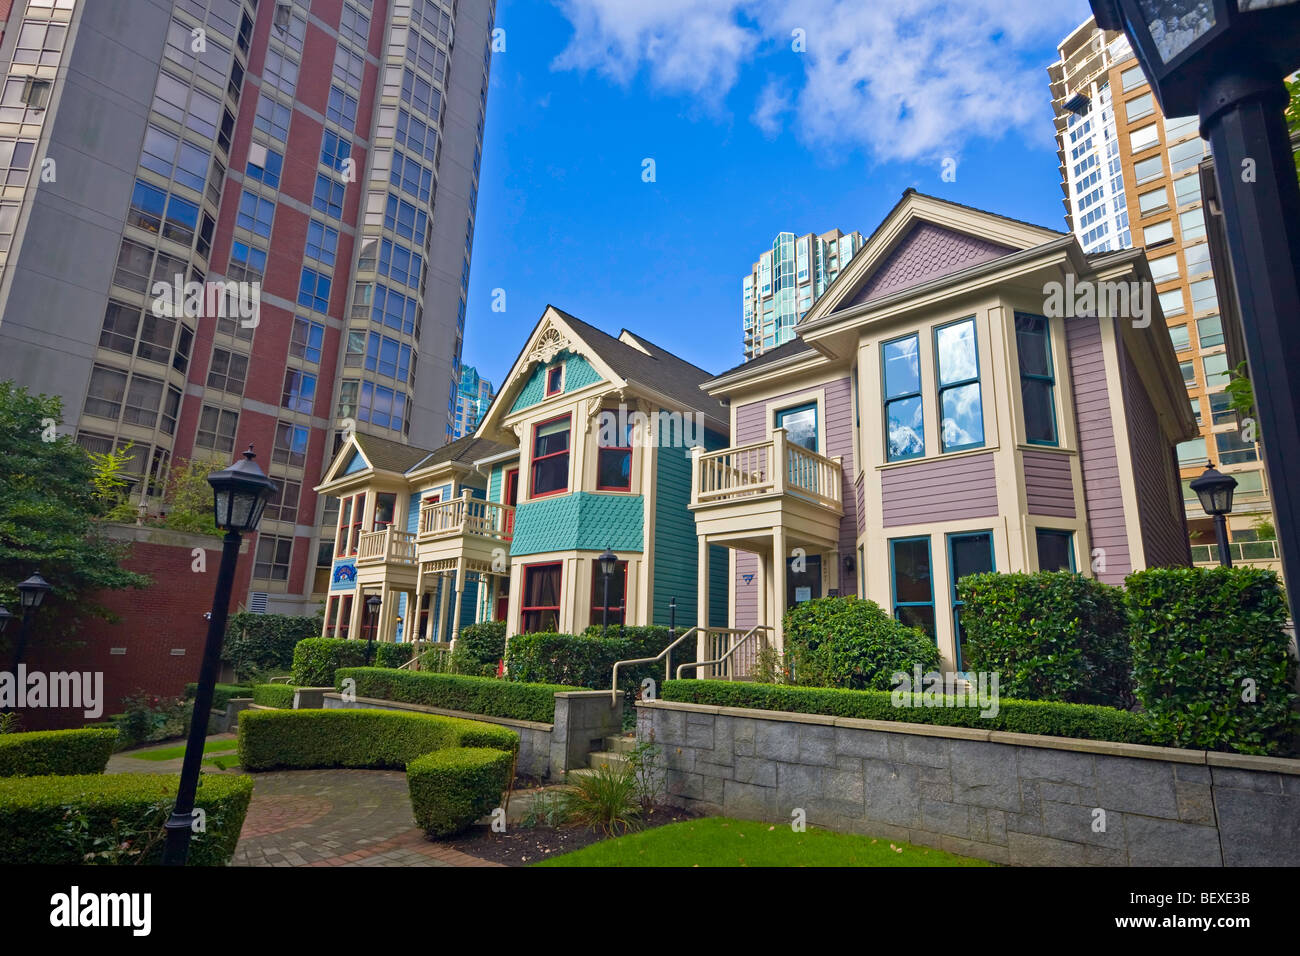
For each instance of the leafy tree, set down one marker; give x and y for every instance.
(48, 507)
(189, 496)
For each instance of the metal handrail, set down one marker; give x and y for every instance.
(727, 656)
(648, 660)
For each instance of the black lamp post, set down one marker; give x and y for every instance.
(239, 495)
(1215, 491)
(1225, 60)
(607, 562)
(372, 607)
(31, 594)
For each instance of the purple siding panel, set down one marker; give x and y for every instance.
(940, 490)
(746, 594)
(927, 252)
(1161, 514)
(861, 498)
(1049, 487)
(1097, 456)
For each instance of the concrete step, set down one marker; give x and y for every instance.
(616, 761)
(621, 744)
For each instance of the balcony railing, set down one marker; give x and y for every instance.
(1240, 551)
(465, 515)
(388, 546)
(774, 467)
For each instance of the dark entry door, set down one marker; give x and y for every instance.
(805, 584)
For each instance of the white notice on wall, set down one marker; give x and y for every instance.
(802, 594)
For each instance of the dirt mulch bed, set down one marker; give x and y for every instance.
(520, 845)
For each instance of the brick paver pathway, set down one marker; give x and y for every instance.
(337, 818)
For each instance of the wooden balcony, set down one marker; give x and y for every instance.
(386, 556)
(465, 527)
(747, 491)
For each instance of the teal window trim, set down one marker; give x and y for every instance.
(1049, 378)
(957, 603)
(1058, 533)
(893, 574)
(938, 379)
(796, 409)
(890, 399)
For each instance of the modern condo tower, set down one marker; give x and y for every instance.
(784, 283)
(311, 161)
(1132, 176)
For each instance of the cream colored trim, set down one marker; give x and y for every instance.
(1123, 447)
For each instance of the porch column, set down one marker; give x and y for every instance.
(358, 612)
(779, 567)
(443, 596)
(702, 605)
(458, 597)
(760, 592)
(413, 630)
(387, 614)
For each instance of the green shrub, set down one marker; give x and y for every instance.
(274, 695)
(56, 752)
(1049, 718)
(316, 659)
(851, 642)
(474, 695)
(147, 718)
(1210, 659)
(1053, 635)
(386, 739)
(479, 648)
(114, 818)
(450, 789)
(588, 661)
(221, 693)
(606, 799)
(260, 643)
(392, 655)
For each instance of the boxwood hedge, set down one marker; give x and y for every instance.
(1085, 721)
(588, 660)
(317, 658)
(56, 752)
(221, 693)
(274, 695)
(115, 818)
(473, 695)
(382, 739)
(450, 789)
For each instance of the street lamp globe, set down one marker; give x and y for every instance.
(607, 562)
(1215, 491)
(32, 592)
(240, 494)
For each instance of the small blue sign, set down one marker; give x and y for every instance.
(344, 576)
(748, 578)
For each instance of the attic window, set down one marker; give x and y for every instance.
(555, 380)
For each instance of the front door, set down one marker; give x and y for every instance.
(803, 584)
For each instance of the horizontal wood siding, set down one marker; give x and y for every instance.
(746, 594)
(941, 490)
(1101, 489)
(1160, 500)
(860, 496)
(1049, 487)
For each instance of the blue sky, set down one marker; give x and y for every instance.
(748, 138)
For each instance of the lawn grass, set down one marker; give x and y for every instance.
(720, 841)
(171, 753)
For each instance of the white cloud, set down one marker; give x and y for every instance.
(905, 83)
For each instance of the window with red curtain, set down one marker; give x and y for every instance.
(541, 598)
(550, 466)
(617, 594)
(614, 461)
(351, 512)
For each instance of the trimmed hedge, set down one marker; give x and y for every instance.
(221, 693)
(392, 655)
(1210, 657)
(316, 659)
(1084, 721)
(474, 695)
(450, 789)
(56, 752)
(1052, 635)
(63, 820)
(381, 739)
(852, 642)
(588, 661)
(274, 695)
(479, 648)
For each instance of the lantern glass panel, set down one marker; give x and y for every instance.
(1176, 24)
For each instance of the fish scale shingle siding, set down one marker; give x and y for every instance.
(927, 252)
(583, 521)
(578, 373)
(1092, 411)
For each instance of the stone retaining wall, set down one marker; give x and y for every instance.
(1010, 798)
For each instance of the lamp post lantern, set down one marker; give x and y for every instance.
(31, 595)
(607, 563)
(239, 496)
(1214, 489)
(372, 609)
(1225, 60)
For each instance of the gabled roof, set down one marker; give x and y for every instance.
(466, 450)
(385, 455)
(785, 350)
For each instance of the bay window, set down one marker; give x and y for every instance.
(550, 464)
(1037, 381)
(961, 406)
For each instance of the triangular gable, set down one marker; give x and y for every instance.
(923, 239)
(551, 340)
(356, 463)
(926, 252)
(350, 460)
